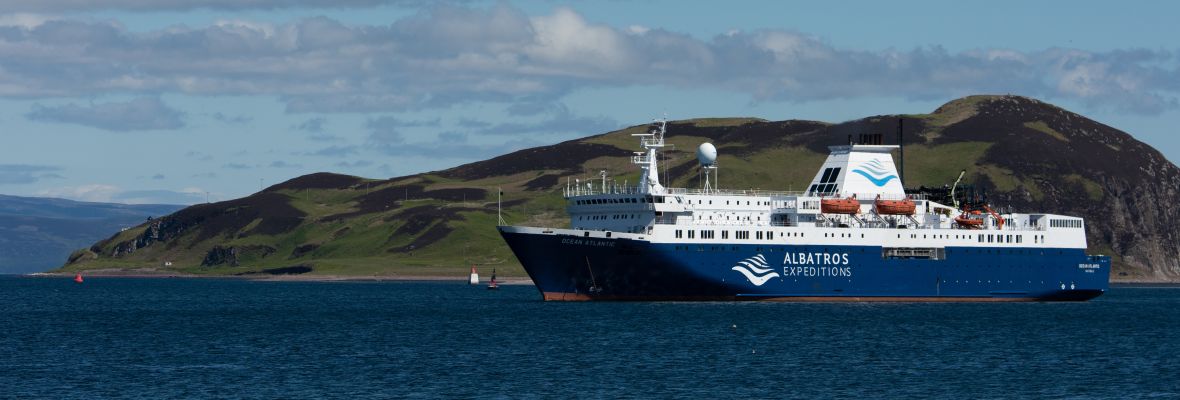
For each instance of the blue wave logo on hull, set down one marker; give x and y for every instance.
(755, 270)
(875, 172)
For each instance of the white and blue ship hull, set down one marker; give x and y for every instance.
(572, 265)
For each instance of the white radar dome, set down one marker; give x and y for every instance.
(707, 154)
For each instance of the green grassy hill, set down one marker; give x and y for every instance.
(1029, 155)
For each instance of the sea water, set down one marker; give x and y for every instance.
(210, 338)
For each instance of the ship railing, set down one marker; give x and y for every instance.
(872, 196)
(846, 224)
(670, 221)
(593, 188)
(651, 142)
(731, 192)
(585, 189)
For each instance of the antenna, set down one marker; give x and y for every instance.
(499, 217)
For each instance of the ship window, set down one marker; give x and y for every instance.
(692, 234)
(725, 234)
(679, 234)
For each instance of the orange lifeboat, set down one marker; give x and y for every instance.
(968, 222)
(839, 206)
(895, 207)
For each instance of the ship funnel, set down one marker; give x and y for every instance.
(860, 169)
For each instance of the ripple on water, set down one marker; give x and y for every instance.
(227, 338)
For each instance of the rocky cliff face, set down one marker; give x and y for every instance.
(1027, 156)
(1066, 163)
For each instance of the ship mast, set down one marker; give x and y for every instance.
(652, 142)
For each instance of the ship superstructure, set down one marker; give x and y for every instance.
(853, 234)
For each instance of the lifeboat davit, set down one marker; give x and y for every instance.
(895, 207)
(839, 206)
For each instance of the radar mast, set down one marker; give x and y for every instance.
(652, 141)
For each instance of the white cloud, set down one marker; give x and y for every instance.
(566, 40)
(180, 5)
(24, 20)
(159, 197)
(92, 192)
(145, 113)
(24, 173)
(451, 54)
(105, 193)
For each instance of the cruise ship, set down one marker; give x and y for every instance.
(854, 234)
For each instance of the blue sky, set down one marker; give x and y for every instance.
(176, 101)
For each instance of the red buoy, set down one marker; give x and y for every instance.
(78, 278)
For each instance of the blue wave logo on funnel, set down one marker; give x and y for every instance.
(756, 270)
(875, 172)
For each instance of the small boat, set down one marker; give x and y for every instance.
(975, 219)
(474, 278)
(78, 278)
(840, 206)
(968, 222)
(895, 207)
(492, 285)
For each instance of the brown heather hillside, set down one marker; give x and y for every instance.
(1026, 154)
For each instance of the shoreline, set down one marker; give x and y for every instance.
(280, 277)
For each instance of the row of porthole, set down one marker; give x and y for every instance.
(760, 203)
(615, 216)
